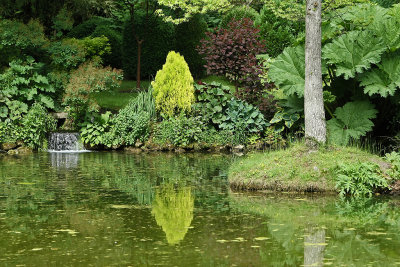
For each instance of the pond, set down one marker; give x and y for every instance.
(113, 209)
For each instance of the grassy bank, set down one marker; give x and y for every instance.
(296, 168)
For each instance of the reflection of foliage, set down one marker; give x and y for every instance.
(365, 210)
(173, 211)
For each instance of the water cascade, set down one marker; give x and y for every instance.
(65, 142)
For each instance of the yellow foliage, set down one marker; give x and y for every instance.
(173, 86)
(173, 211)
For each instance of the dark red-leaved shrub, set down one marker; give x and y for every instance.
(231, 52)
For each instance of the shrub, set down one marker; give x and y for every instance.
(18, 40)
(113, 59)
(277, 32)
(84, 81)
(21, 86)
(217, 106)
(86, 28)
(180, 131)
(188, 36)
(96, 47)
(232, 51)
(158, 39)
(173, 86)
(36, 125)
(359, 180)
(67, 54)
(10, 132)
(131, 126)
(239, 13)
(100, 131)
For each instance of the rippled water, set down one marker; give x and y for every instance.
(107, 209)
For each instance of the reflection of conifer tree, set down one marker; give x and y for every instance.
(173, 211)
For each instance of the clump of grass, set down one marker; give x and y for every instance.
(296, 168)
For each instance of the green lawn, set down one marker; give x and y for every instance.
(117, 99)
(296, 168)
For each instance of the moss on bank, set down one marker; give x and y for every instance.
(296, 168)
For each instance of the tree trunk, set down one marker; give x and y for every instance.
(139, 55)
(314, 246)
(314, 113)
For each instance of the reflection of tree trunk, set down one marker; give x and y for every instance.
(314, 246)
(139, 54)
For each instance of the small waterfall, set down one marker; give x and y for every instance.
(65, 142)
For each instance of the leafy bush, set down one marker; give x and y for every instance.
(217, 106)
(10, 132)
(36, 125)
(173, 86)
(63, 22)
(351, 121)
(87, 28)
(99, 132)
(18, 40)
(113, 59)
(277, 32)
(67, 54)
(239, 13)
(360, 180)
(158, 37)
(188, 36)
(180, 131)
(85, 80)
(394, 159)
(96, 47)
(232, 51)
(131, 126)
(22, 85)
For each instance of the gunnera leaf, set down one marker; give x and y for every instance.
(385, 79)
(351, 121)
(353, 53)
(389, 30)
(288, 71)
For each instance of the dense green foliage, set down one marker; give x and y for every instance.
(360, 179)
(239, 13)
(87, 79)
(277, 32)
(216, 105)
(188, 36)
(36, 125)
(22, 85)
(158, 40)
(173, 86)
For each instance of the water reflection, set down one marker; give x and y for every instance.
(173, 211)
(177, 210)
(64, 160)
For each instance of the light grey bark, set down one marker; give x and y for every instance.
(314, 113)
(314, 247)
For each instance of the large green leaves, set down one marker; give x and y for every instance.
(354, 53)
(389, 30)
(364, 14)
(288, 71)
(385, 79)
(351, 121)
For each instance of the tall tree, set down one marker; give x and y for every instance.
(149, 7)
(314, 112)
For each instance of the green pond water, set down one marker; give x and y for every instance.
(115, 209)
